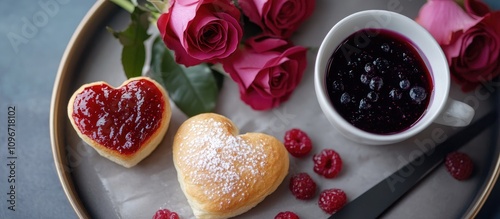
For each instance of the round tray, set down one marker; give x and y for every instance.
(98, 188)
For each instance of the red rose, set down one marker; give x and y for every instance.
(267, 71)
(201, 30)
(277, 17)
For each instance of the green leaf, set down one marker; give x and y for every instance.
(132, 39)
(219, 79)
(133, 58)
(193, 90)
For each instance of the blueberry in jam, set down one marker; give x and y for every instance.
(378, 82)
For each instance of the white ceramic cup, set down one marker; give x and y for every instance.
(441, 109)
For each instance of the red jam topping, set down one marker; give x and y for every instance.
(120, 119)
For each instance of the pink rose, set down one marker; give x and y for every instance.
(277, 17)
(201, 30)
(474, 55)
(267, 71)
(470, 39)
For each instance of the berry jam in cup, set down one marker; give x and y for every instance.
(384, 88)
(381, 78)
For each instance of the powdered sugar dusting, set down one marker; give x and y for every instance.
(213, 154)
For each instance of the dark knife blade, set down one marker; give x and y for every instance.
(382, 196)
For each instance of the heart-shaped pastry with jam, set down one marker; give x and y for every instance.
(123, 124)
(222, 173)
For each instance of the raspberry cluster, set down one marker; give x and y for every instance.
(327, 164)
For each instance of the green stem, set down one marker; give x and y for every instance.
(155, 16)
(127, 5)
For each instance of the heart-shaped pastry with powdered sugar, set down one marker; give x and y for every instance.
(222, 173)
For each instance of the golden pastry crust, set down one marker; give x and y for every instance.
(148, 146)
(224, 174)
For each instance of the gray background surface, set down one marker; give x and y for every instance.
(27, 73)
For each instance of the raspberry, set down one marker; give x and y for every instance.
(459, 165)
(297, 143)
(302, 186)
(332, 200)
(165, 214)
(286, 215)
(327, 163)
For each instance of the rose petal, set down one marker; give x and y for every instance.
(264, 43)
(172, 32)
(453, 49)
(442, 18)
(249, 64)
(183, 15)
(251, 10)
(163, 22)
(172, 41)
(262, 82)
(188, 2)
(476, 8)
(293, 67)
(260, 6)
(234, 33)
(258, 102)
(299, 55)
